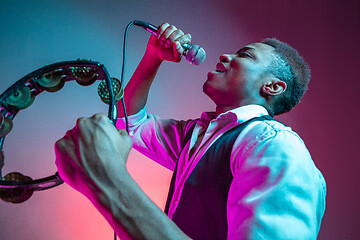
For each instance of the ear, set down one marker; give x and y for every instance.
(274, 87)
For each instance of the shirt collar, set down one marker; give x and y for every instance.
(239, 115)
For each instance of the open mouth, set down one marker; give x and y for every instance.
(220, 68)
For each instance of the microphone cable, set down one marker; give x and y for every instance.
(121, 81)
(122, 75)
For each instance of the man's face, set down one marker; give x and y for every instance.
(239, 77)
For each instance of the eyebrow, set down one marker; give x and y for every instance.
(244, 49)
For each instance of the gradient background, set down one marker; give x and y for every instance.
(37, 33)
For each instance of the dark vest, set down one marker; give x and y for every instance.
(201, 212)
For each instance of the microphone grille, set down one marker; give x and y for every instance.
(195, 55)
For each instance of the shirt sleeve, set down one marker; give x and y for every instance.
(277, 191)
(158, 139)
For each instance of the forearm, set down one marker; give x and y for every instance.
(137, 90)
(131, 213)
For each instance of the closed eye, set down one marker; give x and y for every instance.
(247, 52)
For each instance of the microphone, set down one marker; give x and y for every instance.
(194, 54)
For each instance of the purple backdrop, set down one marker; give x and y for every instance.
(36, 33)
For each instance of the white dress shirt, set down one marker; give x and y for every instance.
(277, 191)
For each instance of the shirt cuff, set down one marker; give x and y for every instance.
(134, 120)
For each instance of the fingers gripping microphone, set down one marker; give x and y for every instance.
(194, 54)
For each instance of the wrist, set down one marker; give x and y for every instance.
(152, 57)
(103, 192)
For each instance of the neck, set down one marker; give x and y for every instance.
(222, 109)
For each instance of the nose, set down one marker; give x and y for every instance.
(225, 58)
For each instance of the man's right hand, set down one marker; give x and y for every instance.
(166, 46)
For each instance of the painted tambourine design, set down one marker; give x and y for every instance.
(15, 187)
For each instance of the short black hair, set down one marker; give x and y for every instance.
(291, 68)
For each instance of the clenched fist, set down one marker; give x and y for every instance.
(167, 45)
(93, 154)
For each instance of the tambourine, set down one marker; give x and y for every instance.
(15, 187)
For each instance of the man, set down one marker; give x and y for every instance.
(238, 174)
